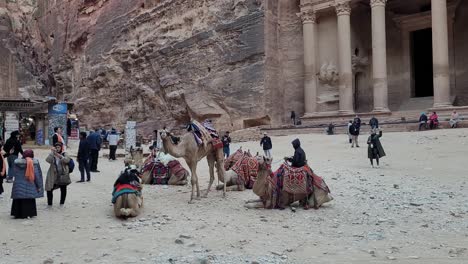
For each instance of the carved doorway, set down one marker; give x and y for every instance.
(421, 58)
(362, 94)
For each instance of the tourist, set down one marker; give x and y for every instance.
(374, 123)
(58, 175)
(330, 129)
(350, 137)
(226, 142)
(83, 158)
(422, 121)
(113, 139)
(157, 141)
(299, 158)
(32, 132)
(266, 143)
(358, 121)
(354, 131)
(27, 187)
(433, 121)
(454, 119)
(375, 149)
(94, 140)
(57, 137)
(3, 166)
(12, 149)
(293, 117)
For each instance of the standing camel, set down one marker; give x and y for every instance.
(188, 149)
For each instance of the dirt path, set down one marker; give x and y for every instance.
(414, 209)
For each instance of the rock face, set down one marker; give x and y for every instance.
(159, 62)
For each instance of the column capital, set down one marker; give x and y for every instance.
(307, 16)
(342, 8)
(374, 3)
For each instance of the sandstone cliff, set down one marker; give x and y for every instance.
(159, 62)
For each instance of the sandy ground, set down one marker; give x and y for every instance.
(414, 209)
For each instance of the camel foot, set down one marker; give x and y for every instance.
(191, 202)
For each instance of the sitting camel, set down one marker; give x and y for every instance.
(238, 164)
(189, 149)
(134, 157)
(175, 174)
(126, 196)
(271, 197)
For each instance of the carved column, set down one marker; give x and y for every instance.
(343, 12)
(310, 80)
(379, 56)
(440, 54)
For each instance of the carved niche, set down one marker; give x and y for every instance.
(328, 74)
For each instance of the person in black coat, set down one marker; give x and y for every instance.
(293, 117)
(12, 149)
(2, 171)
(83, 158)
(358, 121)
(422, 121)
(267, 145)
(374, 123)
(375, 149)
(299, 158)
(354, 132)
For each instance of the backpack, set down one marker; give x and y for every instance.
(71, 166)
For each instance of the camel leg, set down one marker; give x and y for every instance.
(194, 181)
(211, 164)
(220, 168)
(254, 205)
(254, 201)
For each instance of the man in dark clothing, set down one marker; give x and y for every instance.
(354, 132)
(374, 123)
(299, 158)
(293, 117)
(94, 140)
(226, 142)
(358, 121)
(12, 148)
(83, 158)
(422, 121)
(266, 143)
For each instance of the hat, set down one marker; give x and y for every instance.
(264, 133)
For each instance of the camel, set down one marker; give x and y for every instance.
(188, 149)
(177, 174)
(128, 205)
(134, 157)
(264, 187)
(233, 182)
(126, 196)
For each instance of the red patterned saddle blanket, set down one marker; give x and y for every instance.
(247, 169)
(175, 167)
(300, 180)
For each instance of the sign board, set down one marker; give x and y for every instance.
(11, 123)
(130, 135)
(57, 118)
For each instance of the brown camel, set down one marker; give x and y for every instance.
(233, 181)
(128, 205)
(177, 174)
(189, 149)
(264, 189)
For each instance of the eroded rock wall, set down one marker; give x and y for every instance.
(159, 62)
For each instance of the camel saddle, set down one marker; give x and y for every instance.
(247, 169)
(217, 143)
(301, 180)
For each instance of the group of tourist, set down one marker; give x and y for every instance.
(26, 175)
(434, 120)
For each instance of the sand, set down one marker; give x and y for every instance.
(413, 209)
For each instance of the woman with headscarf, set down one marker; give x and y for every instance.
(433, 121)
(58, 175)
(27, 186)
(375, 149)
